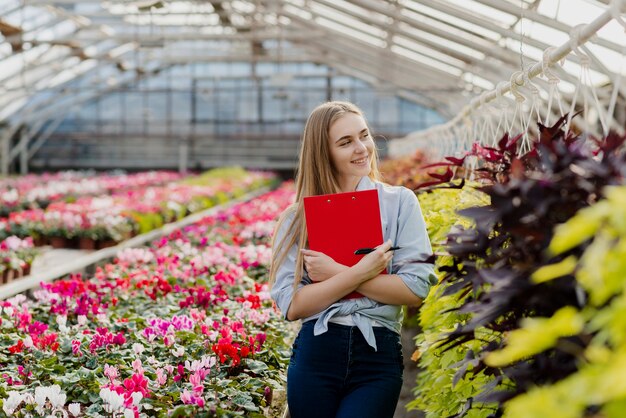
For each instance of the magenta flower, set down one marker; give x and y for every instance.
(76, 349)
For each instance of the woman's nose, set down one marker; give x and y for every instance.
(360, 147)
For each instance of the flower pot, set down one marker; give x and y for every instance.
(73, 243)
(106, 244)
(58, 242)
(9, 275)
(39, 241)
(85, 243)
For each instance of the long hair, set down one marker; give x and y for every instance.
(315, 175)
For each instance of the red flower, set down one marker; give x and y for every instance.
(17, 348)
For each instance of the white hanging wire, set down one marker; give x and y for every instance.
(585, 84)
(470, 135)
(599, 107)
(551, 57)
(574, 42)
(486, 130)
(482, 130)
(503, 105)
(615, 10)
(494, 114)
(553, 81)
(534, 102)
(519, 111)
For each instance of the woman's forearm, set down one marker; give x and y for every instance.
(386, 288)
(314, 298)
(389, 289)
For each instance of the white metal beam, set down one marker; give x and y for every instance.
(371, 55)
(515, 10)
(103, 56)
(392, 12)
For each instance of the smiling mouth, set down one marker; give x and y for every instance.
(360, 161)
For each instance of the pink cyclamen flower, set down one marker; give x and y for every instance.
(111, 372)
(76, 348)
(161, 376)
(137, 366)
(185, 397)
(196, 381)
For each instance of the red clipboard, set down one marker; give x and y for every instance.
(339, 224)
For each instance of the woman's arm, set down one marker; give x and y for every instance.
(389, 289)
(384, 288)
(314, 298)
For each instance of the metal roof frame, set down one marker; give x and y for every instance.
(419, 48)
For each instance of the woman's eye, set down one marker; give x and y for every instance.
(343, 144)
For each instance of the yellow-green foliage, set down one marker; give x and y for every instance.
(435, 393)
(216, 174)
(601, 271)
(536, 335)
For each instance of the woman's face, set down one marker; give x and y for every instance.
(351, 149)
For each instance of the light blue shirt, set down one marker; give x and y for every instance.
(403, 224)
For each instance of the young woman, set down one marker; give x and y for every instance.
(347, 357)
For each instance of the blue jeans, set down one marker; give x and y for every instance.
(338, 375)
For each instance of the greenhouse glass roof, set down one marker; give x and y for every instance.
(438, 53)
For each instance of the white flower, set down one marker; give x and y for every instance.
(82, 320)
(62, 322)
(41, 394)
(128, 413)
(51, 393)
(57, 398)
(137, 397)
(12, 402)
(179, 351)
(28, 342)
(74, 409)
(138, 348)
(112, 401)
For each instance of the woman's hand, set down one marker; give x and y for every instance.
(375, 262)
(319, 266)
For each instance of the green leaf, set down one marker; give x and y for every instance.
(553, 271)
(256, 366)
(536, 335)
(578, 229)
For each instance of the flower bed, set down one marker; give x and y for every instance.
(39, 190)
(96, 222)
(16, 258)
(185, 327)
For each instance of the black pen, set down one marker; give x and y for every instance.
(369, 250)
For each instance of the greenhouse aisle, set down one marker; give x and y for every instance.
(410, 374)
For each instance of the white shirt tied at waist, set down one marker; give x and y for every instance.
(403, 224)
(349, 321)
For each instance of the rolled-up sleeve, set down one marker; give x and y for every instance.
(282, 290)
(412, 237)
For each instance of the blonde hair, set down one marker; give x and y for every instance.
(315, 175)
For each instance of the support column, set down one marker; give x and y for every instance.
(183, 155)
(4, 152)
(23, 145)
(5, 148)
